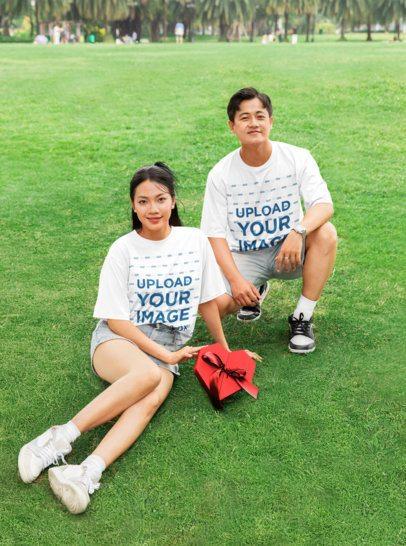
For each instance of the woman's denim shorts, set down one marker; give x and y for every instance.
(169, 337)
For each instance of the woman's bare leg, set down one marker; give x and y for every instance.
(132, 375)
(133, 421)
(227, 305)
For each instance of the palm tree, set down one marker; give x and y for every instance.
(48, 10)
(343, 11)
(287, 7)
(100, 10)
(226, 12)
(309, 8)
(370, 12)
(392, 11)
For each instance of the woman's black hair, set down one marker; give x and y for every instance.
(161, 174)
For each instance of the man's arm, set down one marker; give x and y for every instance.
(243, 291)
(290, 254)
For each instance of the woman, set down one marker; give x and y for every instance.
(153, 282)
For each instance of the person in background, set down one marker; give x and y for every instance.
(179, 32)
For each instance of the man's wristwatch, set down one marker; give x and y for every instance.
(299, 228)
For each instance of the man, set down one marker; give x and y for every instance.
(253, 217)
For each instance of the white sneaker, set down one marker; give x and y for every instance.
(73, 486)
(41, 452)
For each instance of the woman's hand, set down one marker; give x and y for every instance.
(253, 355)
(183, 354)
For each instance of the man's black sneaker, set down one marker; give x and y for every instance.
(301, 335)
(248, 313)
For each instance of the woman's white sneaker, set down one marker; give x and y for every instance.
(73, 486)
(37, 455)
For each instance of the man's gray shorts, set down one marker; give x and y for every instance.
(258, 266)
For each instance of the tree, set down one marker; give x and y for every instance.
(100, 10)
(226, 12)
(287, 7)
(392, 11)
(343, 11)
(10, 9)
(274, 9)
(309, 8)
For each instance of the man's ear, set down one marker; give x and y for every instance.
(231, 125)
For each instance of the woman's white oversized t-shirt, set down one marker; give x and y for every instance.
(150, 282)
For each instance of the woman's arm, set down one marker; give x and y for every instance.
(211, 316)
(127, 329)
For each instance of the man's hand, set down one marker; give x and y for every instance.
(290, 254)
(244, 292)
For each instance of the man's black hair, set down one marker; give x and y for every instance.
(247, 93)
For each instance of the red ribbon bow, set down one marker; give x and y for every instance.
(216, 380)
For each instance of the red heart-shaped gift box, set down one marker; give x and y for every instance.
(222, 373)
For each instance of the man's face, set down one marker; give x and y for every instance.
(252, 123)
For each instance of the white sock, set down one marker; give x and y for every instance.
(94, 467)
(70, 431)
(305, 306)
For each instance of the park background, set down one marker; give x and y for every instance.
(318, 458)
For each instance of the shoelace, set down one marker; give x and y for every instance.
(49, 454)
(300, 326)
(88, 482)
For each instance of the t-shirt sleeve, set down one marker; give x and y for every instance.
(214, 214)
(313, 188)
(212, 281)
(112, 299)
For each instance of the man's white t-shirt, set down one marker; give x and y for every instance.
(256, 207)
(164, 281)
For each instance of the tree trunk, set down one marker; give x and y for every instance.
(254, 17)
(6, 26)
(286, 14)
(154, 30)
(223, 37)
(369, 32)
(36, 16)
(252, 33)
(342, 29)
(165, 20)
(397, 29)
(191, 23)
(308, 17)
(275, 19)
(31, 27)
(138, 23)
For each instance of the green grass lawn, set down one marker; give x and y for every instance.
(318, 458)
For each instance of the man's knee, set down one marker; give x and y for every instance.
(325, 237)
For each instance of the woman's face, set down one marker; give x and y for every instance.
(153, 205)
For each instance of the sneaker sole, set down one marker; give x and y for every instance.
(301, 351)
(67, 492)
(23, 471)
(263, 296)
(250, 319)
